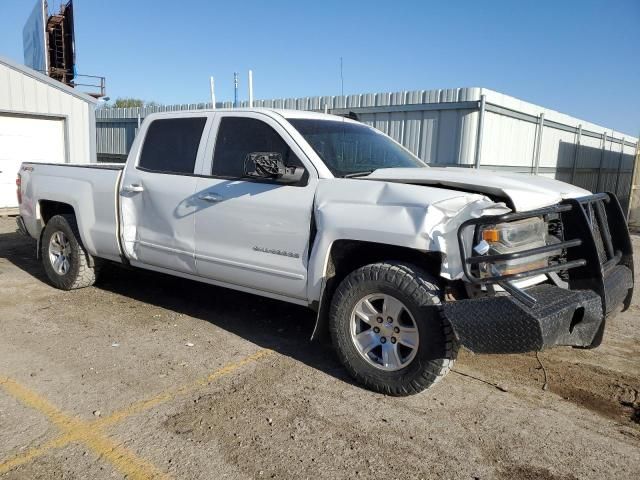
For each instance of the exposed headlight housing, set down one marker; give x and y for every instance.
(512, 237)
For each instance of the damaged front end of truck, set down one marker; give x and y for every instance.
(523, 279)
(586, 257)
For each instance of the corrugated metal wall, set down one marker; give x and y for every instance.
(24, 94)
(445, 127)
(425, 121)
(634, 208)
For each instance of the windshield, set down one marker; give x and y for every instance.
(351, 148)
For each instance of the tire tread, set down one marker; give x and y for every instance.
(86, 275)
(423, 289)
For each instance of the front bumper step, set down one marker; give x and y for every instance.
(501, 324)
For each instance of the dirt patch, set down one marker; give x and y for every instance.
(607, 392)
(524, 472)
(599, 390)
(284, 424)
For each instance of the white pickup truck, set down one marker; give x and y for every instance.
(402, 263)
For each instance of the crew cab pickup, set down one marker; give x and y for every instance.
(403, 263)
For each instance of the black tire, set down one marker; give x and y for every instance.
(80, 274)
(418, 291)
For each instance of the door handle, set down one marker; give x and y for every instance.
(133, 188)
(210, 197)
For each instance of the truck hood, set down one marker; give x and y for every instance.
(526, 192)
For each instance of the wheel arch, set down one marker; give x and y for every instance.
(345, 256)
(47, 209)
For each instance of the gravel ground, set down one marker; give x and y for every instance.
(146, 375)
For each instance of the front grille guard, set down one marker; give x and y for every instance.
(595, 240)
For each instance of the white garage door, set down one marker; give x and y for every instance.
(26, 139)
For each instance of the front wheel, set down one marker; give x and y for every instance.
(387, 328)
(65, 260)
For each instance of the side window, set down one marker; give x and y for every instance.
(171, 145)
(237, 137)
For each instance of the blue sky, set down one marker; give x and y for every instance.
(578, 57)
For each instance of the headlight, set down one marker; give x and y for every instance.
(512, 237)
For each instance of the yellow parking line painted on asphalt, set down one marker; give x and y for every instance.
(163, 397)
(79, 430)
(122, 458)
(34, 453)
(36, 402)
(91, 433)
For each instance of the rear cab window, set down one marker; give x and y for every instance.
(171, 145)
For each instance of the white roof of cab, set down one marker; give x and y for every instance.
(304, 114)
(288, 114)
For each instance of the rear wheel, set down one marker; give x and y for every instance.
(387, 328)
(65, 260)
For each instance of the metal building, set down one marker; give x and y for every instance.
(41, 120)
(471, 127)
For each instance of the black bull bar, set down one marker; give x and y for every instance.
(597, 266)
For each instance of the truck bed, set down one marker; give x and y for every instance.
(102, 166)
(92, 191)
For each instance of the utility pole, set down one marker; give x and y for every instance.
(235, 89)
(250, 89)
(213, 92)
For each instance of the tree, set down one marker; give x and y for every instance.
(131, 103)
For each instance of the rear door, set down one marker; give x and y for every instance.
(253, 233)
(27, 139)
(156, 194)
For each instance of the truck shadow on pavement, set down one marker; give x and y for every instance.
(279, 326)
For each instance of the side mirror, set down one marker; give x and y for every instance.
(269, 165)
